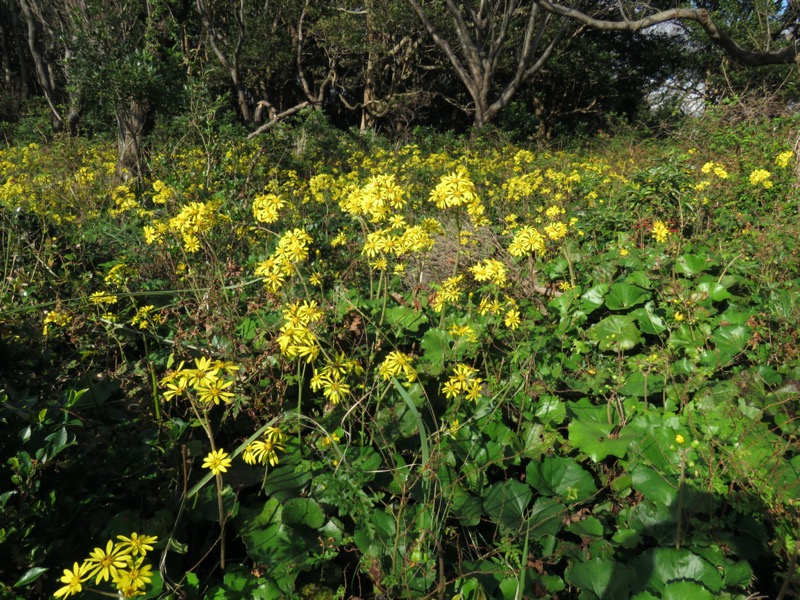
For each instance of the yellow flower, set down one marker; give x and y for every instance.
(679, 316)
(451, 389)
(761, 177)
(102, 298)
(203, 373)
(135, 578)
(679, 439)
(512, 319)
(264, 451)
(73, 578)
(267, 207)
(106, 563)
(397, 363)
(782, 160)
(217, 461)
(138, 544)
(660, 231)
(215, 391)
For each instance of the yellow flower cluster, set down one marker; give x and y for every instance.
(527, 240)
(195, 219)
(376, 199)
(464, 381)
(397, 364)
(102, 298)
(715, 168)
(660, 231)
(761, 177)
(449, 292)
(463, 331)
(60, 318)
(120, 274)
(383, 241)
(331, 378)
(144, 317)
(264, 451)
(556, 231)
(266, 208)
(292, 248)
(491, 270)
(782, 160)
(296, 338)
(37, 181)
(523, 186)
(124, 200)
(163, 192)
(121, 563)
(319, 187)
(210, 381)
(457, 189)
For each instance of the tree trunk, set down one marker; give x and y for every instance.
(43, 73)
(131, 117)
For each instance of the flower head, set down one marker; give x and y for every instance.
(139, 545)
(73, 578)
(107, 563)
(217, 461)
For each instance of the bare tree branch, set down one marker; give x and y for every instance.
(750, 58)
(277, 118)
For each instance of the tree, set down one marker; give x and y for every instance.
(486, 34)
(481, 37)
(786, 51)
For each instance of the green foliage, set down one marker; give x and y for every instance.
(442, 403)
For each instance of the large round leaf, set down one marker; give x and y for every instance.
(661, 566)
(625, 295)
(506, 503)
(558, 476)
(604, 578)
(615, 333)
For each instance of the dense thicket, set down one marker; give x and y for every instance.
(100, 66)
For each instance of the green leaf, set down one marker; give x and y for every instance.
(551, 409)
(558, 476)
(30, 576)
(615, 333)
(303, 511)
(685, 590)
(716, 291)
(405, 319)
(692, 264)
(661, 566)
(505, 503)
(247, 329)
(641, 384)
(596, 441)
(738, 574)
(593, 298)
(730, 340)
(435, 344)
(606, 579)
(286, 481)
(544, 518)
(653, 485)
(625, 295)
(649, 322)
(465, 507)
(588, 527)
